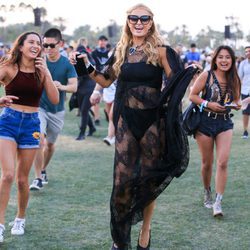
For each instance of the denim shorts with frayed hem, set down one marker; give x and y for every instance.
(211, 127)
(21, 127)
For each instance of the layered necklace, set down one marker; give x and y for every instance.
(133, 49)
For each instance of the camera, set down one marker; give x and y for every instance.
(80, 66)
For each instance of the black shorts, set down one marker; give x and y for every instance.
(247, 110)
(214, 124)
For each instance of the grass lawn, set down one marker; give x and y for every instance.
(72, 211)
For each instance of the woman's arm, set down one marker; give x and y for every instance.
(198, 87)
(95, 75)
(164, 61)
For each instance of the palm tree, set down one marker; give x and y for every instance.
(60, 21)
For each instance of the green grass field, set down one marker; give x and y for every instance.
(72, 211)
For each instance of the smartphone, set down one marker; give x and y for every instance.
(231, 105)
(80, 66)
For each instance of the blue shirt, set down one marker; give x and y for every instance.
(61, 71)
(192, 57)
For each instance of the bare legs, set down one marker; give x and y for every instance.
(145, 229)
(25, 159)
(223, 145)
(43, 156)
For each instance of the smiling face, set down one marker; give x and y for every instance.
(139, 22)
(223, 60)
(31, 47)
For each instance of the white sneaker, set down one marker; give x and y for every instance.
(2, 228)
(109, 141)
(18, 227)
(208, 201)
(217, 210)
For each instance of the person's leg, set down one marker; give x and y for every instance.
(7, 164)
(49, 150)
(206, 147)
(84, 108)
(39, 158)
(245, 119)
(111, 127)
(55, 125)
(146, 225)
(96, 110)
(25, 158)
(126, 155)
(223, 147)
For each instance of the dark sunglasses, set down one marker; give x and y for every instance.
(51, 45)
(133, 19)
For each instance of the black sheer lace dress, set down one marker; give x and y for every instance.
(150, 148)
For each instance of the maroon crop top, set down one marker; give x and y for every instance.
(27, 87)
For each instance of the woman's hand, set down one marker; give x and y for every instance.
(95, 98)
(7, 100)
(216, 107)
(40, 64)
(76, 55)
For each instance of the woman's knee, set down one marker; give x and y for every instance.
(206, 165)
(22, 183)
(222, 165)
(8, 178)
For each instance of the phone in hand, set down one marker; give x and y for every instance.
(231, 105)
(80, 66)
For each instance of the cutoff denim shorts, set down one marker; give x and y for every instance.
(21, 127)
(212, 127)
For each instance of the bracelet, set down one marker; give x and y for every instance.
(96, 92)
(203, 105)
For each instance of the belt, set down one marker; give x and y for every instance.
(215, 116)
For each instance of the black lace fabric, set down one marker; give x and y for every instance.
(151, 147)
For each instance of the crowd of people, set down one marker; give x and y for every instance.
(142, 82)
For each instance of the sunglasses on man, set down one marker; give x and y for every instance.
(133, 19)
(51, 45)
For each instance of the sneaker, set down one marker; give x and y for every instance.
(18, 227)
(2, 228)
(208, 201)
(36, 184)
(109, 141)
(44, 177)
(244, 135)
(217, 210)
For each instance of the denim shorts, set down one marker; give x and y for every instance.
(21, 127)
(213, 125)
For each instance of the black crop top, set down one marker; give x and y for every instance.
(27, 87)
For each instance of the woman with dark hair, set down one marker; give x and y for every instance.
(220, 89)
(24, 75)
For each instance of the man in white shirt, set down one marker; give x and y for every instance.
(244, 74)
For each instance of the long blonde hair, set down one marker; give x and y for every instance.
(152, 41)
